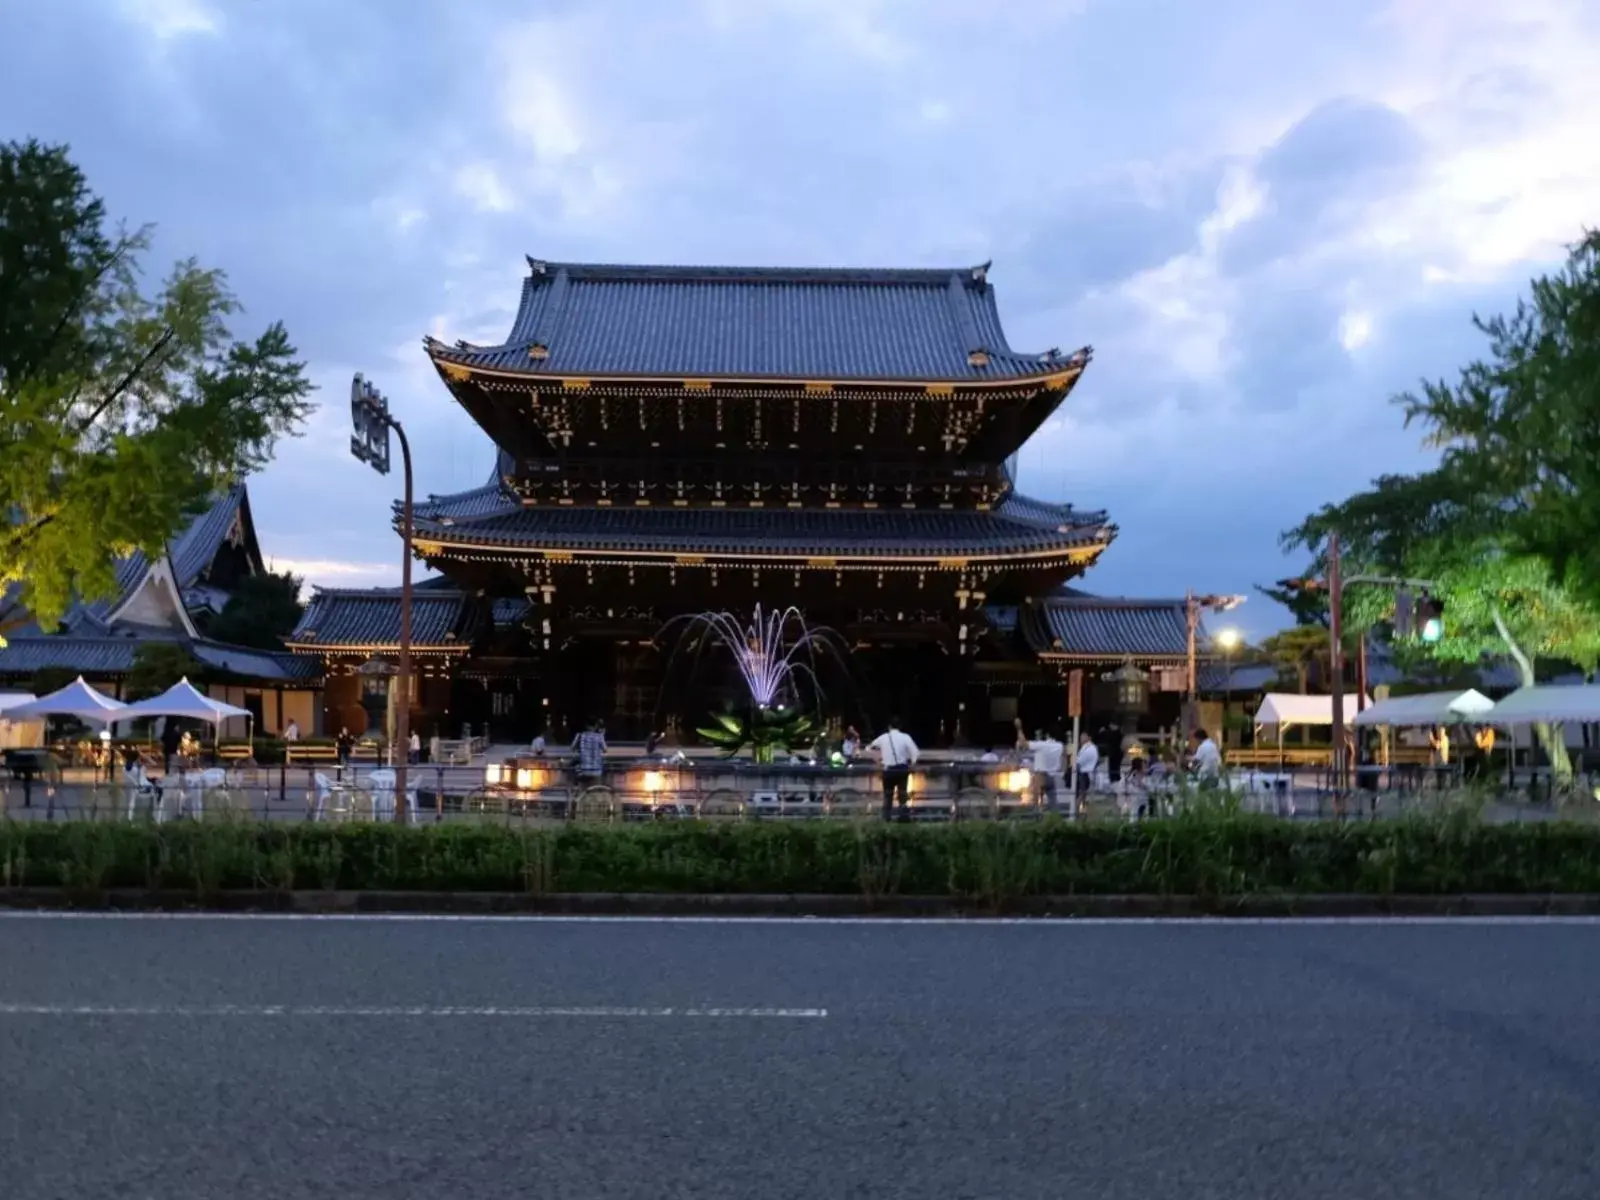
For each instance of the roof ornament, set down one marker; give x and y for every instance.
(538, 266)
(980, 273)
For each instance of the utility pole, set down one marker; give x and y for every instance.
(1336, 660)
(369, 442)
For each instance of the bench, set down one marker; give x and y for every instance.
(295, 753)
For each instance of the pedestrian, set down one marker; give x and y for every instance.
(851, 745)
(1114, 753)
(897, 754)
(590, 747)
(291, 731)
(344, 743)
(171, 740)
(414, 750)
(1047, 751)
(1205, 759)
(538, 745)
(1087, 763)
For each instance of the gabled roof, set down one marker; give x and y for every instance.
(585, 319)
(366, 618)
(114, 655)
(1073, 624)
(1016, 526)
(190, 553)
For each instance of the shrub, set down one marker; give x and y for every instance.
(1205, 855)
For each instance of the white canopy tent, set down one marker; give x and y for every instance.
(25, 732)
(1428, 708)
(77, 699)
(1290, 708)
(1555, 703)
(182, 699)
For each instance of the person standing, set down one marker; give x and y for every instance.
(171, 740)
(1205, 758)
(1047, 752)
(414, 750)
(590, 747)
(291, 731)
(897, 754)
(344, 744)
(1087, 763)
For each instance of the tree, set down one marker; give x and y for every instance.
(1293, 651)
(159, 665)
(51, 679)
(1307, 605)
(261, 612)
(1520, 431)
(121, 413)
(1500, 602)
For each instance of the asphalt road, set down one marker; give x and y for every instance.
(243, 1058)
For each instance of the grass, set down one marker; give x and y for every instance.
(1211, 855)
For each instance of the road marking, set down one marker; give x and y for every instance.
(1058, 922)
(429, 1011)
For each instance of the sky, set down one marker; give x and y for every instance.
(1268, 217)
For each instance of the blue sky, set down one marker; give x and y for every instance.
(1267, 216)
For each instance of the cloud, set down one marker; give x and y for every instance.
(167, 19)
(1263, 241)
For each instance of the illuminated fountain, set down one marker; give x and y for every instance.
(776, 653)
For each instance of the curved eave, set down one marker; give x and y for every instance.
(438, 544)
(455, 366)
(326, 648)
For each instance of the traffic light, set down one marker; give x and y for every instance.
(1430, 619)
(1404, 614)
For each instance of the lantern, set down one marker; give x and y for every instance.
(1131, 687)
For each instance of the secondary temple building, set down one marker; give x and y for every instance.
(671, 440)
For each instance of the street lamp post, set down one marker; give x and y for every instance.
(1193, 605)
(1227, 641)
(369, 442)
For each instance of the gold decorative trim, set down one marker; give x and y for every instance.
(940, 389)
(574, 385)
(815, 388)
(1073, 556)
(697, 385)
(1055, 381)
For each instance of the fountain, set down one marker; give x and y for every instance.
(775, 653)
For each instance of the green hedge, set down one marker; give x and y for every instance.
(991, 862)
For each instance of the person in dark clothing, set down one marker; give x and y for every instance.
(344, 744)
(171, 739)
(1111, 747)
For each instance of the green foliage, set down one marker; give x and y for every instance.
(1212, 855)
(1520, 430)
(159, 665)
(261, 612)
(50, 679)
(1294, 651)
(1307, 605)
(765, 731)
(121, 412)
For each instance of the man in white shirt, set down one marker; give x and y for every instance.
(1205, 758)
(291, 732)
(897, 754)
(1047, 752)
(1088, 762)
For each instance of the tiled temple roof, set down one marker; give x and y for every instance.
(1076, 625)
(441, 617)
(110, 654)
(585, 319)
(1017, 525)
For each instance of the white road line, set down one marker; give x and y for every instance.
(1063, 922)
(427, 1011)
